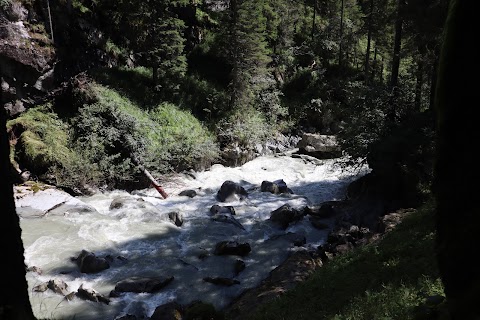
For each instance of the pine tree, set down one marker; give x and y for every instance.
(247, 50)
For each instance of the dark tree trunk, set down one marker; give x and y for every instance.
(314, 18)
(369, 41)
(397, 45)
(419, 83)
(155, 75)
(14, 300)
(458, 215)
(340, 51)
(375, 64)
(433, 79)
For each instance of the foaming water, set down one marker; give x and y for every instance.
(139, 230)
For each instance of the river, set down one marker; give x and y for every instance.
(141, 233)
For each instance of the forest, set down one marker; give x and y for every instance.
(91, 87)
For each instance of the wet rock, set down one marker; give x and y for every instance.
(227, 219)
(275, 187)
(41, 287)
(140, 284)
(89, 263)
(70, 296)
(285, 215)
(188, 193)
(220, 281)
(215, 209)
(128, 317)
(176, 217)
(58, 286)
(168, 311)
(231, 191)
(318, 223)
(232, 248)
(201, 310)
(239, 266)
(35, 269)
(324, 211)
(296, 239)
(91, 295)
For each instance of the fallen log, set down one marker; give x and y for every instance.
(154, 182)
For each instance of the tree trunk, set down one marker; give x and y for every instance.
(397, 46)
(369, 40)
(14, 300)
(50, 20)
(396, 61)
(457, 213)
(155, 75)
(433, 79)
(374, 64)
(340, 53)
(419, 83)
(149, 176)
(314, 18)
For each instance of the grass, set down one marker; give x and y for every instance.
(383, 280)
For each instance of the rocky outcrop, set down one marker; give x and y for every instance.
(26, 59)
(283, 278)
(319, 146)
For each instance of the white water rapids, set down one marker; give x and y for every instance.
(141, 232)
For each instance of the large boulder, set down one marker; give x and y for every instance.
(168, 311)
(90, 263)
(285, 215)
(231, 191)
(275, 187)
(91, 295)
(232, 248)
(319, 146)
(141, 284)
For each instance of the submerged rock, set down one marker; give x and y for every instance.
(176, 218)
(221, 281)
(140, 284)
(227, 219)
(232, 248)
(222, 209)
(188, 193)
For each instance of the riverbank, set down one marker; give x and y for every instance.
(393, 277)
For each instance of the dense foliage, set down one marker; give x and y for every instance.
(363, 70)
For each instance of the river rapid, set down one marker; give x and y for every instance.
(150, 244)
